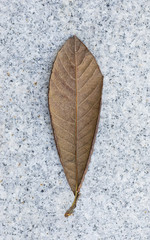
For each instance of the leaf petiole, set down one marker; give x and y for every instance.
(71, 209)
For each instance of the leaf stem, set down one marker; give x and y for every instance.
(71, 209)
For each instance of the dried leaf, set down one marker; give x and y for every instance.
(74, 102)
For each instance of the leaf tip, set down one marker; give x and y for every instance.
(75, 37)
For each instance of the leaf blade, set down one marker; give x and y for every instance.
(78, 81)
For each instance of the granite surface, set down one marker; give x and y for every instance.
(34, 194)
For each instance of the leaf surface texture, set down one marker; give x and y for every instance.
(74, 101)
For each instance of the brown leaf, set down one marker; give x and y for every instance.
(74, 102)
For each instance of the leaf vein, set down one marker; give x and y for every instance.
(61, 91)
(86, 68)
(89, 95)
(68, 58)
(87, 124)
(62, 118)
(65, 69)
(67, 151)
(88, 79)
(64, 80)
(63, 129)
(88, 110)
(65, 140)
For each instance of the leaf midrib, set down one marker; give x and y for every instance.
(76, 130)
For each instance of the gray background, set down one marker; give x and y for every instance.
(34, 194)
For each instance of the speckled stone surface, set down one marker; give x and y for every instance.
(34, 194)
